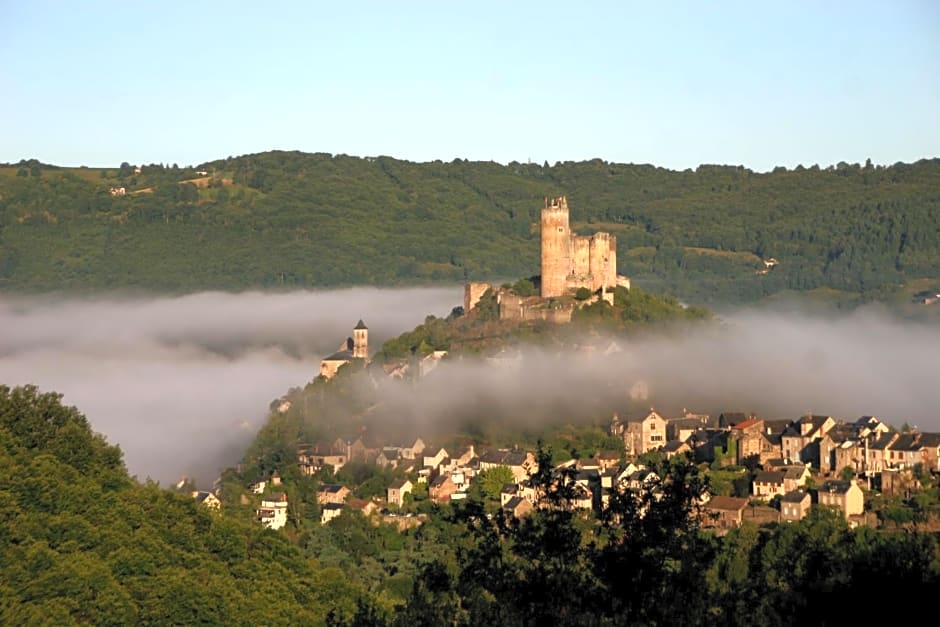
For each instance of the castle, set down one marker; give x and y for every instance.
(572, 261)
(355, 347)
(569, 262)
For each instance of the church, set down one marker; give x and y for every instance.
(355, 347)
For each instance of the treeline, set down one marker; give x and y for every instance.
(290, 219)
(83, 543)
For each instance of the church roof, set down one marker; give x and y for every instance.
(361, 325)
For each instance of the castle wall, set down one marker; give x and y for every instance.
(472, 293)
(580, 256)
(556, 247)
(600, 265)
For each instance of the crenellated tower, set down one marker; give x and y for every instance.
(556, 247)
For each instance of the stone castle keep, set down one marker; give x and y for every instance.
(569, 262)
(572, 261)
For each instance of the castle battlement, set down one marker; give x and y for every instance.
(571, 261)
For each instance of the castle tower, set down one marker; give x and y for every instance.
(361, 341)
(556, 247)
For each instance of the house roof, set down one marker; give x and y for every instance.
(839, 487)
(332, 488)
(398, 484)
(515, 458)
(440, 480)
(494, 456)
(906, 442)
(673, 446)
(340, 356)
(513, 503)
(731, 418)
(727, 503)
(794, 472)
(751, 422)
(794, 496)
(202, 496)
(770, 476)
(334, 506)
(883, 441)
(930, 439)
(776, 426)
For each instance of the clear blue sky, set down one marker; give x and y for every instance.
(674, 84)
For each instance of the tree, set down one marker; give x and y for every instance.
(583, 293)
(492, 480)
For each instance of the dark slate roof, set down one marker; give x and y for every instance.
(587, 474)
(883, 441)
(906, 442)
(769, 476)
(776, 426)
(398, 484)
(672, 446)
(796, 496)
(687, 423)
(731, 418)
(509, 488)
(360, 326)
(514, 458)
(840, 487)
(333, 506)
(794, 472)
(440, 480)
(513, 503)
(493, 457)
(340, 356)
(202, 496)
(930, 439)
(330, 487)
(431, 452)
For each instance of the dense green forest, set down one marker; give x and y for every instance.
(291, 219)
(83, 543)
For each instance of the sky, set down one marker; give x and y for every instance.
(675, 84)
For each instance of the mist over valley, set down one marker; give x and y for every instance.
(182, 384)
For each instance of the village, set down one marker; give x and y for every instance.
(778, 470)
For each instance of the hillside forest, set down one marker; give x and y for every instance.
(287, 220)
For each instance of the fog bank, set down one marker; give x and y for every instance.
(182, 384)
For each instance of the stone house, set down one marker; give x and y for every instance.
(441, 488)
(795, 476)
(520, 463)
(398, 490)
(800, 442)
(749, 435)
(904, 451)
(332, 493)
(644, 435)
(433, 457)
(518, 507)
(724, 512)
(845, 496)
(768, 484)
(794, 505)
(930, 450)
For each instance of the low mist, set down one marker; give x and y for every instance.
(183, 384)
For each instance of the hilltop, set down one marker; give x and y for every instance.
(282, 220)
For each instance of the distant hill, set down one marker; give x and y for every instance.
(291, 219)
